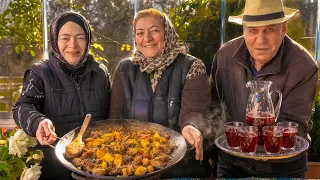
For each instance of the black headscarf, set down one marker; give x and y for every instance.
(55, 27)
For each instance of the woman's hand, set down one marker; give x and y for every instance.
(193, 136)
(45, 133)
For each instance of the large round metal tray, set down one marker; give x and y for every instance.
(300, 146)
(175, 138)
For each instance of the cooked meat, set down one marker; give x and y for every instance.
(157, 164)
(96, 134)
(115, 171)
(124, 152)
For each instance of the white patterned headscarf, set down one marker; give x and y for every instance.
(170, 51)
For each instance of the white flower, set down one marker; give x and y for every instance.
(32, 173)
(18, 144)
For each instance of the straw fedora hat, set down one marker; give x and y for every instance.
(263, 12)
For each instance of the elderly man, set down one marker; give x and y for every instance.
(264, 52)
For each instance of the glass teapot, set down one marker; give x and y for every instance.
(259, 110)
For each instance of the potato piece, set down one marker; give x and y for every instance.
(155, 144)
(163, 140)
(144, 143)
(107, 157)
(124, 172)
(132, 142)
(100, 153)
(157, 136)
(132, 151)
(118, 162)
(99, 171)
(104, 165)
(150, 168)
(117, 156)
(89, 144)
(145, 162)
(140, 171)
(97, 142)
(106, 136)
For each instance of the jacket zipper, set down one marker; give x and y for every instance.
(82, 106)
(150, 109)
(83, 110)
(170, 110)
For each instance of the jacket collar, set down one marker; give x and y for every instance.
(242, 56)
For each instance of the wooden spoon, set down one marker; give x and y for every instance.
(74, 149)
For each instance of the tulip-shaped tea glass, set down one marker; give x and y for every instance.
(289, 134)
(248, 137)
(231, 130)
(272, 139)
(260, 111)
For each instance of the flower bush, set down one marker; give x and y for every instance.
(17, 159)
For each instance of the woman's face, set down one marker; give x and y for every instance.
(72, 42)
(149, 36)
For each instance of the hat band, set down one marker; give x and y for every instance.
(264, 17)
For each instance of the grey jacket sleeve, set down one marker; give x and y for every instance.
(297, 105)
(27, 109)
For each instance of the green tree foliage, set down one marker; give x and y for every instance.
(198, 23)
(21, 23)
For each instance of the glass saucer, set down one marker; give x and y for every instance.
(300, 146)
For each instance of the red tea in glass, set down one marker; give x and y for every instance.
(289, 138)
(248, 137)
(231, 130)
(289, 134)
(272, 139)
(260, 119)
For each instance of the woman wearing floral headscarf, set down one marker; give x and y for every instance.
(59, 92)
(162, 84)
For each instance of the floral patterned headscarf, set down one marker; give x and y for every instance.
(170, 51)
(54, 40)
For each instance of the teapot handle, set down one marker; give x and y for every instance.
(277, 108)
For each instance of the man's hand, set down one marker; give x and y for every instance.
(193, 136)
(45, 133)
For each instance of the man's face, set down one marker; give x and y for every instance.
(263, 42)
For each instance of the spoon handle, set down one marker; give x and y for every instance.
(85, 124)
